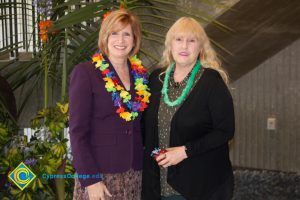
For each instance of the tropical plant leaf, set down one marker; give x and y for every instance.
(75, 34)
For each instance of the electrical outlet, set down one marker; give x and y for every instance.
(271, 123)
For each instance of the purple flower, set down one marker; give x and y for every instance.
(117, 102)
(49, 3)
(49, 12)
(30, 161)
(44, 7)
(135, 106)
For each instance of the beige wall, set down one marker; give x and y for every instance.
(270, 90)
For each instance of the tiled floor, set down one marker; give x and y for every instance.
(266, 185)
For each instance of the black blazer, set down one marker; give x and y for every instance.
(204, 124)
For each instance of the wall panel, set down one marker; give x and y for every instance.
(270, 90)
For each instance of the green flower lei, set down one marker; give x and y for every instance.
(185, 91)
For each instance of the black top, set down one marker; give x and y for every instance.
(204, 124)
(165, 115)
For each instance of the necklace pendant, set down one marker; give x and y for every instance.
(177, 84)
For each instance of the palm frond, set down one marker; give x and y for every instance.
(75, 34)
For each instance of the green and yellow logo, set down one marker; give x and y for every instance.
(22, 176)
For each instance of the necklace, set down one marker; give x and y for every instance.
(127, 108)
(178, 84)
(185, 91)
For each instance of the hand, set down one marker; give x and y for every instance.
(98, 191)
(173, 156)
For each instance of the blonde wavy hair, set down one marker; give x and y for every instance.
(190, 27)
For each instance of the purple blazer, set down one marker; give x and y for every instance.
(101, 141)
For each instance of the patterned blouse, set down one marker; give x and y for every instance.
(165, 115)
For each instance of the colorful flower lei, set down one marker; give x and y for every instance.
(127, 108)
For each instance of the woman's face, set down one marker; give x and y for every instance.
(120, 42)
(185, 50)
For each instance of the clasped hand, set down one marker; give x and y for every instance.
(98, 191)
(173, 156)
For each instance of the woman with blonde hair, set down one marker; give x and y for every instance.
(189, 121)
(107, 97)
